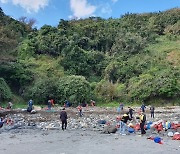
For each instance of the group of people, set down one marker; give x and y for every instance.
(131, 110)
(129, 116)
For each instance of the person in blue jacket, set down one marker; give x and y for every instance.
(30, 105)
(143, 107)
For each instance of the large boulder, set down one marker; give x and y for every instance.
(109, 129)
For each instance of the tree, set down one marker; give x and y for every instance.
(75, 62)
(128, 43)
(42, 90)
(108, 91)
(28, 22)
(74, 88)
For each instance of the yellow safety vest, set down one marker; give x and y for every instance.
(141, 117)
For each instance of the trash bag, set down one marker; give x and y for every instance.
(175, 126)
(131, 130)
(176, 137)
(118, 118)
(149, 125)
(137, 127)
(157, 139)
(170, 134)
(101, 121)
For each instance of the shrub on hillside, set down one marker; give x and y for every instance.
(5, 91)
(73, 88)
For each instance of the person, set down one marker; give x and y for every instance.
(143, 107)
(142, 118)
(93, 103)
(30, 105)
(121, 106)
(152, 111)
(84, 104)
(67, 103)
(63, 117)
(166, 125)
(9, 105)
(131, 112)
(123, 123)
(52, 102)
(80, 110)
(1, 122)
(49, 104)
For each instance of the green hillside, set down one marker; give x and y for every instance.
(132, 59)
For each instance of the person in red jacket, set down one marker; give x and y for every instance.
(80, 110)
(63, 117)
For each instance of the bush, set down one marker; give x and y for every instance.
(73, 88)
(5, 91)
(108, 91)
(42, 90)
(156, 83)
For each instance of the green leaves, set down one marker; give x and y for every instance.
(73, 88)
(128, 43)
(5, 92)
(158, 83)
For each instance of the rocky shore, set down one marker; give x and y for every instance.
(28, 128)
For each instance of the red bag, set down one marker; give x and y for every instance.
(137, 127)
(159, 127)
(176, 137)
(175, 126)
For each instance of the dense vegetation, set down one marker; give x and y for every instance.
(134, 58)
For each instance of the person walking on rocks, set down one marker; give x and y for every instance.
(80, 110)
(152, 111)
(121, 106)
(131, 112)
(9, 106)
(1, 122)
(63, 117)
(30, 105)
(49, 104)
(143, 107)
